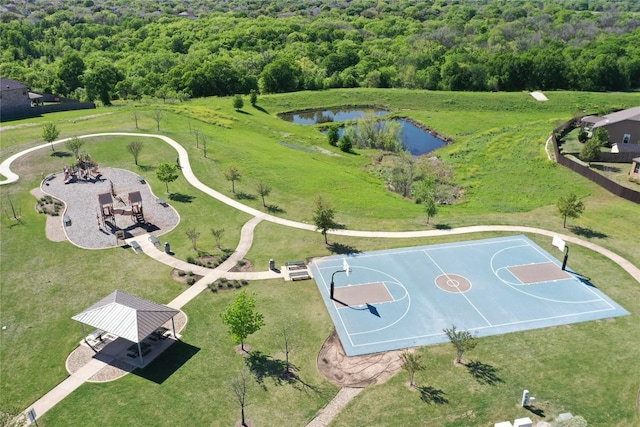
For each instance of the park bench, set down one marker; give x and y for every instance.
(141, 179)
(299, 275)
(66, 220)
(49, 177)
(155, 241)
(136, 246)
(162, 202)
(295, 265)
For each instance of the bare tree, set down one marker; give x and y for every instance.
(217, 234)
(232, 174)
(193, 235)
(240, 387)
(263, 190)
(287, 336)
(197, 134)
(134, 148)
(136, 116)
(204, 146)
(411, 363)
(157, 116)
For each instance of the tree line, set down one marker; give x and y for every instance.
(437, 45)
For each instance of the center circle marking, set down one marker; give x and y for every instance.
(453, 283)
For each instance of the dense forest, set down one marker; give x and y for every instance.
(110, 49)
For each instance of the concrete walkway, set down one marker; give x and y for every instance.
(325, 416)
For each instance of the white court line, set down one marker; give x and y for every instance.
(416, 337)
(461, 293)
(588, 289)
(515, 286)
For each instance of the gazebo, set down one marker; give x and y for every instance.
(127, 316)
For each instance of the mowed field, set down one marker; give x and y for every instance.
(498, 157)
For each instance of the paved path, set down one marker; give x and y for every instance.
(325, 416)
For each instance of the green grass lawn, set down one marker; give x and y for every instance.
(498, 157)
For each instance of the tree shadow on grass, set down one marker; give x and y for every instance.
(442, 226)
(588, 233)
(342, 249)
(262, 365)
(61, 154)
(483, 373)
(240, 195)
(146, 168)
(259, 108)
(244, 112)
(275, 209)
(431, 395)
(182, 198)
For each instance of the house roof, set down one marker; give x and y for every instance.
(126, 316)
(632, 114)
(10, 84)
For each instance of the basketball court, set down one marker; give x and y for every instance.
(394, 299)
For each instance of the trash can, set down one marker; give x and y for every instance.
(272, 265)
(167, 248)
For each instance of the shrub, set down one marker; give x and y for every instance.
(181, 273)
(191, 281)
(223, 280)
(191, 260)
(230, 285)
(244, 282)
(189, 273)
(238, 285)
(241, 263)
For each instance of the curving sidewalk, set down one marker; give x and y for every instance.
(246, 240)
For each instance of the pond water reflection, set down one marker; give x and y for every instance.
(416, 140)
(313, 117)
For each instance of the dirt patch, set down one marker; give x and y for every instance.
(356, 371)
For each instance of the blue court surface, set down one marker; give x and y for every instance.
(394, 299)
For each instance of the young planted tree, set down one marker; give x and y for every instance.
(253, 97)
(74, 145)
(461, 340)
(196, 132)
(193, 235)
(333, 135)
(287, 340)
(136, 117)
(323, 217)
(345, 144)
(50, 133)
(411, 363)
(204, 146)
(263, 190)
(430, 205)
(238, 102)
(217, 234)
(240, 388)
(167, 173)
(134, 148)
(569, 206)
(241, 318)
(232, 174)
(157, 116)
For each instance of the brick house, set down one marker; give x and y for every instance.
(16, 98)
(623, 126)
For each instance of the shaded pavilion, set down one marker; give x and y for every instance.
(127, 316)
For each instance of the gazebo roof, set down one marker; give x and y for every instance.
(135, 197)
(105, 199)
(126, 316)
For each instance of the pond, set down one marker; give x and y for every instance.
(313, 117)
(416, 140)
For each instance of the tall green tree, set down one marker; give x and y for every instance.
(100, 81)
(70, 72)
(280, 76)
(461, 340)
(241, 318)
(569, 207)
(323, 217)
(50, 133)
(167, 173)
(238, 103)
(333, 135)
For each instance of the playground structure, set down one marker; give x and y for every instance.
(84, 169)
(108, 212)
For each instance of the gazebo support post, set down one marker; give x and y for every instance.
(140, 354)
(173, 326)
(84, 336)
